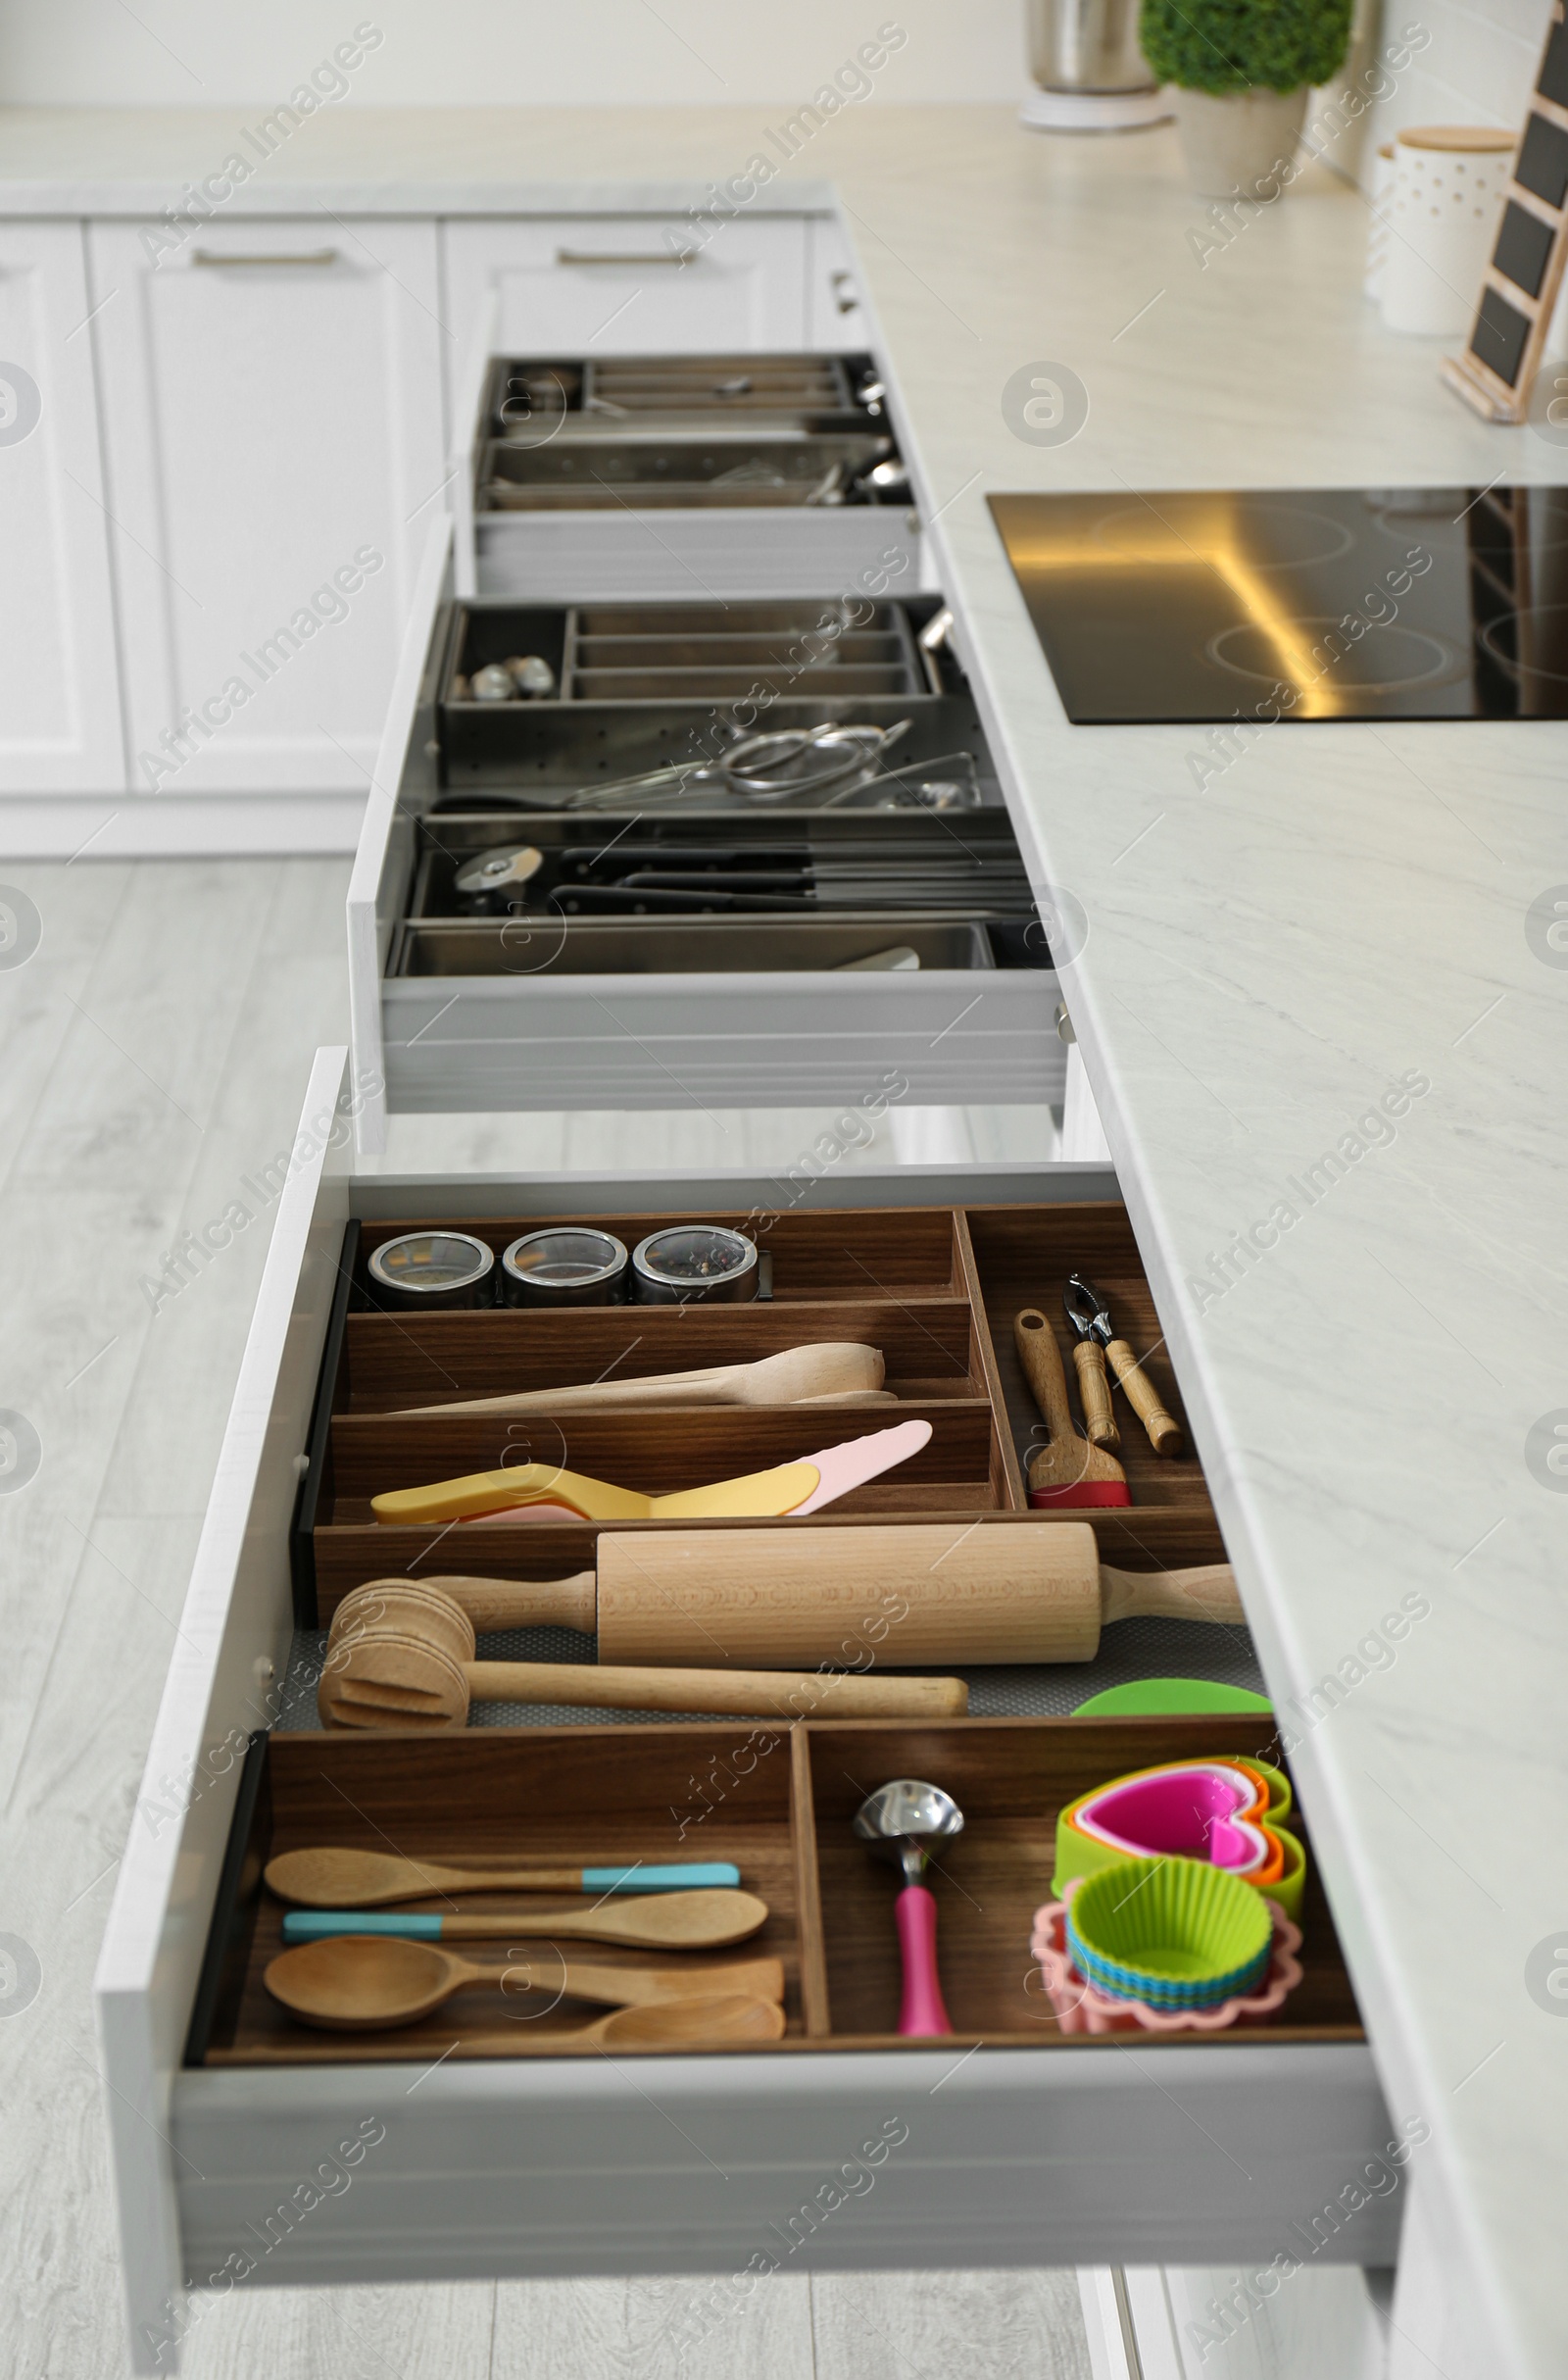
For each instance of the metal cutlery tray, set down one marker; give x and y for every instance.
(664, 653)
(660, 675)
(688, 946)
(528, 398)
(751, 470)
(464, 1005)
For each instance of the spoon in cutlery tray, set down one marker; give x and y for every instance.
(366, 1983)
(339, 1877)
(664, 1921)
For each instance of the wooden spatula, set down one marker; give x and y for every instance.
(1068, 1471)
(838, 1370)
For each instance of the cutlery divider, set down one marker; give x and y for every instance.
(779, 1800)
(936, 1288)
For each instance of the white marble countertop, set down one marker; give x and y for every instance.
(1344, 908)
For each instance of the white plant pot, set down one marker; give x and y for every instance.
(1238, 143)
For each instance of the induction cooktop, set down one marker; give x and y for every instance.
(1297, 604)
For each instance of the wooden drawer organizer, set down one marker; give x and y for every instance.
(936, 1288)
(779, 1803)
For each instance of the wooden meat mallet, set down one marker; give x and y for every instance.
(402, 1654)
(914, 1595)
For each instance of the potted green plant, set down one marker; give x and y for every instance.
(1241, 70)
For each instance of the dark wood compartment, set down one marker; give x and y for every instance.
(1009, 1777)
(778, 1802)
(1022, 1256)
(553, 1796)
(935, 1288)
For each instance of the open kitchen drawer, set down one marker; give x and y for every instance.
(892, 947)
(454, 2156)
(584, 478)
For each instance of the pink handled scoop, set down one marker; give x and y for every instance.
(897, 1820)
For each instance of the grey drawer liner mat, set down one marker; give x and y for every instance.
(1131, 1649)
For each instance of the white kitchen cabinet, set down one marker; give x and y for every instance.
(837, 321)
(271, 425)
(617, 285)
(60, 722)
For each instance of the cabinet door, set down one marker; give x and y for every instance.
(617, 285)
(60, 724)
(273, 428)
(838, 319)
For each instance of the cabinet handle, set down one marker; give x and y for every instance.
(627, 256)
(844, 296)
(307, 256)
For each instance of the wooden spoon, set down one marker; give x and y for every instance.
(836, 1369)
(366, 1983)
(619, 1986)
(333, 1875)
(664, 1921)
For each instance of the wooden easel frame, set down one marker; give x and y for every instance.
(1497, 370)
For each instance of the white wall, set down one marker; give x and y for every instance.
(176, 53)
(1480, 66)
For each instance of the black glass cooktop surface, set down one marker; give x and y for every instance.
(1299, 603)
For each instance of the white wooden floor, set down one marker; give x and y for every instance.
(152, 1050)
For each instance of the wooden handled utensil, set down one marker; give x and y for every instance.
(409, 1675)
(334, 1876)
(618, 1987)
(833, 1369)
(1068, 1471)
(1089, 1362)
(366, 1983)
(669, 1921)
(914, 1594)
(1090, 1312)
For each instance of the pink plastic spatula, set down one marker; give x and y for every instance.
(858, 1459)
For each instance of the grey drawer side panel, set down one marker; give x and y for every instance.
(579, 557)
(1148, 2156)
(739, 1074)
(749, 1041)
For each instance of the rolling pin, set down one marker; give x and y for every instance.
(910, 1595)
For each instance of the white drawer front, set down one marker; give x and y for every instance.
(615, 284)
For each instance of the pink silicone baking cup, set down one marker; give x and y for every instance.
(1082, 2009)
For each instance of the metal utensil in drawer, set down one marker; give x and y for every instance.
(782, 766)
(688, 946)
(690, 471)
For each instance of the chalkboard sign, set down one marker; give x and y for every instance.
(1497, 370)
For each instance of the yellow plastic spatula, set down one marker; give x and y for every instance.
(759, 1496)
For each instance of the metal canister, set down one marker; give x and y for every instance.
(566, 1264)
(693, 1261)
(432, 1269)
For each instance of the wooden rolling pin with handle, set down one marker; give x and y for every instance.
(909, 1595)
